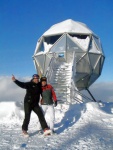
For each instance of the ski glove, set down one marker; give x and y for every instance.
(55, 103)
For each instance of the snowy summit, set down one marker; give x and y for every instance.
(85, 126)
(80, 125)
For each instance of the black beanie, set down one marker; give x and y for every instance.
(43, 79)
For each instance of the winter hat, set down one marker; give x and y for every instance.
(35, 76)
(43, 79)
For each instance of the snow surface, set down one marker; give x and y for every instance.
(68, 26)
(86, 126)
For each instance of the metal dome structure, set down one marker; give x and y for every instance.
(73, 43)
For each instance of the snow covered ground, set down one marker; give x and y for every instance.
(86, 126)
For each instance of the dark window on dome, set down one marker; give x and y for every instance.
(79, 36)
(41, 47)
(52, 39)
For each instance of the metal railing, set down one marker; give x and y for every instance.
(74, 93)
(50, 69)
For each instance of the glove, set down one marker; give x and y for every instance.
(55, 103)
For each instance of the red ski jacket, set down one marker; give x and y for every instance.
(48, 95)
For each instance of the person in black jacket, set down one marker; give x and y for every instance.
(31, 102)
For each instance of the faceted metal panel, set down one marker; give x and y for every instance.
(93, 59)
(93, 47)
(79, 56)
(40, 59)
(97, 41)
(60, 45)
(92, 79)
(83, 65)
(97, 67)
(86, 50)
(47, 61)
(69, 57)
(102, 62)
(83, 82)
(72, 46)
(79, 76)
(40, 47)
(81, 40)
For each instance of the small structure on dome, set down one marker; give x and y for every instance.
(71, 56)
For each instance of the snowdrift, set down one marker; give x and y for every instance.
(78, 126)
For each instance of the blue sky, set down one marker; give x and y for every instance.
(22, 22)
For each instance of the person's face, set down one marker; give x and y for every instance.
(44, 83)
(36, 79)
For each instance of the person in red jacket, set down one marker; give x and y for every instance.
(48, 101)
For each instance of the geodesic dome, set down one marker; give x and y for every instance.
(70, 40)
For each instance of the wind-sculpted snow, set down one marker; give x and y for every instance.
(87, 126)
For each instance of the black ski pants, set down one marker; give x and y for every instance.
(37, 109)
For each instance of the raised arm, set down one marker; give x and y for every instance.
(19, 83)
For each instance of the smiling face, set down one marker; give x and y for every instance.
(43, 83)
(35, 79)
